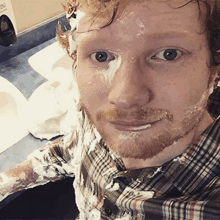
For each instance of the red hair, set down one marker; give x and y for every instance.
(211, 20)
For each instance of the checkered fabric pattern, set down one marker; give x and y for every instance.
(187, 187)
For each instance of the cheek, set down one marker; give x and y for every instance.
(108, 73)
(94, 84)
(198, 83)
(185, 90)
(86, 79)
(93, 90)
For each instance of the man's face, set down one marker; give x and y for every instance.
(144, 79)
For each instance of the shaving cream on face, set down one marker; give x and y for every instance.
(74, 23)
(128, 135)
(108, 73)
(141, 28)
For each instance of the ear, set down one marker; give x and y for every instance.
(217, 78)
(216, 57)
(213, 74)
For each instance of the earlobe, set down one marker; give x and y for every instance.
(213, 79)
(72, 44)
(214, 98)
(216, 80)
(74, 72)
(217, 58)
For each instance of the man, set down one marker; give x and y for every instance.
(145, 146)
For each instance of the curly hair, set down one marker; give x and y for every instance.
(96, 8)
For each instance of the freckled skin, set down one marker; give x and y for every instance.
(175, 91)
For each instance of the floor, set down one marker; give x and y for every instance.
(53, 200)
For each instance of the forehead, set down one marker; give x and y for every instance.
(145, 18)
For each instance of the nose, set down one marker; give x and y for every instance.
(129, 88)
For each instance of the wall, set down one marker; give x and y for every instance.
(29, 13)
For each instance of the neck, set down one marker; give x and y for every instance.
(171, 151)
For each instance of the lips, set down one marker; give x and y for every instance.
(129, 126)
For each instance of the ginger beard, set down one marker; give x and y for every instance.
(150, 142)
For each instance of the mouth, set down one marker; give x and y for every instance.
(132, 127)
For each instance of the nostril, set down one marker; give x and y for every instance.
(130, 87)
(129, 98)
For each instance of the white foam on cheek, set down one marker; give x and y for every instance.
(108, 74)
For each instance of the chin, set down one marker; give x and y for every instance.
(150, 142)
(139, 147)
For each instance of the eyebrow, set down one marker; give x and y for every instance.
(90, 39)
(171, 35)
(152, 36)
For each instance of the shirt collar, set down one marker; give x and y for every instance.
(199, 164)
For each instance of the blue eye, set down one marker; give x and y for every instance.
(102, 56)
(168, 55)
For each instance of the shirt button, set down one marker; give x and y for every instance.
(109, 208)
(108, 211)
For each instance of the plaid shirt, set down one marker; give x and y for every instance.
(187, 187)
